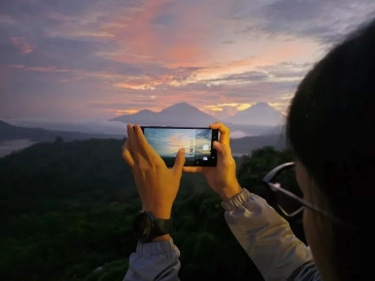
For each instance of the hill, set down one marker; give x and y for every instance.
(10, 132)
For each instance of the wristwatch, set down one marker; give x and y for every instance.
(146, 227)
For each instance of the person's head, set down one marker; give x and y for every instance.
(331, 128)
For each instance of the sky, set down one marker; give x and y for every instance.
(97, 59)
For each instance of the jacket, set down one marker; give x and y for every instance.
(260, 230)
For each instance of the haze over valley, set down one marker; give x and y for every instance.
(14, 137)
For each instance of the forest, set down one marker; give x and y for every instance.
(66, 210)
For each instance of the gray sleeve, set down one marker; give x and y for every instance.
(306, 272)
(154, 261)
(268, 239)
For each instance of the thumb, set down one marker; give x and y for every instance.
(223, 150)
(220, 148)
(180, 161)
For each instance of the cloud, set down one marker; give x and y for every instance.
(119, 106)
(23, 45)
(99, 58)
(324, 21)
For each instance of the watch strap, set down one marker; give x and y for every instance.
(161, 227)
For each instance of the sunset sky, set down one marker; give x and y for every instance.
(87, 59)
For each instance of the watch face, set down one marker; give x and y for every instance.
(142, 227)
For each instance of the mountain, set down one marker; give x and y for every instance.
(180, 114)
(141, 115)
(10, 132)
(260, 114)
(185, 115)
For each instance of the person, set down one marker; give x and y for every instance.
(330, 127)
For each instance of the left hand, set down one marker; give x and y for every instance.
(157, 184)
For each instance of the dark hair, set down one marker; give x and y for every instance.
(331, 128)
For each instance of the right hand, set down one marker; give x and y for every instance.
(222, 178)
(150, 172)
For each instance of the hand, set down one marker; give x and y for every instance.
(157, 185)
(222, 178)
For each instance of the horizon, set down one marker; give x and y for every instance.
(71, 61)
(46, 121)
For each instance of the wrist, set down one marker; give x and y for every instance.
(159, 212)
(228, 193)
(162, 238)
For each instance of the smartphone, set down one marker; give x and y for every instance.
(198, 144)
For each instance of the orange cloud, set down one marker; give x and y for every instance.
(125, 111)
(225, 109)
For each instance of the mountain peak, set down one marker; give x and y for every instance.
(145, 111)
(180, 106)
(179, 114)
(261, 104)
(184, 103)
(259, 114)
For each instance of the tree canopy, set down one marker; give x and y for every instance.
(66, 210)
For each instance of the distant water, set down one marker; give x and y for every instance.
(7, 147)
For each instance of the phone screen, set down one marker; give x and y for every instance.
(197, 142)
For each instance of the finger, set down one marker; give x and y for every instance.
(180, 161)
(126, 154)
(224, 154)
(222, 148)
(131, 137)
(193, 169)
(224, 132)
(133, 143)
(147, 149)
(140, 136)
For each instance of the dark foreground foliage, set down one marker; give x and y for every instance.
(66, 208)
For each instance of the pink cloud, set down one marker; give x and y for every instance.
(17, 66)
(181, 44)
(160, 52)
(47, 69)
(23, 45)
